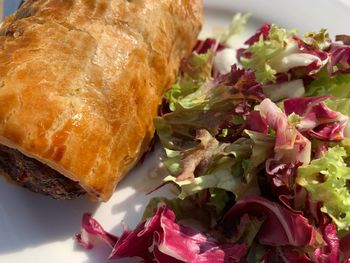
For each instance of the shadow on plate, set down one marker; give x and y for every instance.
(128, 203)
(29, 220)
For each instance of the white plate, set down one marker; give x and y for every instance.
(35, 228)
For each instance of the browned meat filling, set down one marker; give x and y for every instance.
(37, 176)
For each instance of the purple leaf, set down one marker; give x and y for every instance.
(300, 105)
(318, 121)
(261, 32)
(286, 254)
(330, 252)
(161, 239)
(281, 226)
(203, 46)
(290, 146)
(255, 122)
(345, 248)
(92, 229)
(339, 59)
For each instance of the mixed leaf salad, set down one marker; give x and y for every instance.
(257, 140)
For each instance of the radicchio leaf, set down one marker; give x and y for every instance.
(286, 254)
(161, 239)
(318, 120)
(330, 252)
(290, 146)
(92, 229)
(257, 123)
(263, 32)
(276, 54)
(345, 248)
(339, 59)
(282, 177)
(278, 228)
(209, 44)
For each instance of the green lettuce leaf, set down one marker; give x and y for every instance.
(219, 199)
(201, 156)
(247, 229)
(262, 149)
(209, 107)
(318, 40)
(195, 72)
(214, 165)
(327, 179)
(324, 85)
(341, 105)
(235, 28)
(221, 177)
(263, 51)
(211, 164)
(171, 160)
(345, 143)
(177, 130)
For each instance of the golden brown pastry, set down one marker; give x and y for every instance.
(80, 83)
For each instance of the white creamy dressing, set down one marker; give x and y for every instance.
(227, 57)
(224, 59)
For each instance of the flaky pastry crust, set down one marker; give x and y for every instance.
(81, 81)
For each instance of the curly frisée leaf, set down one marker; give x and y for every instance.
(326, 179)
(281, 56)
(263, 51)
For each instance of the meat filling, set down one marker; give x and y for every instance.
(37, 176)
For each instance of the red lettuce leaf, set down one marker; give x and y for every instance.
(263, 31)
(330, 252)
(339, 59)
(345, 248)
(285, 254)
(300, 105)
(282, 180)
(244, 81)
(290, 146)
(162, 240)
(255, 122)
(279, 226)
(203, 46)
(318, 121)
(91, 229)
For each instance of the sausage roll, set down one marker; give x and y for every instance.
(80, 84)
